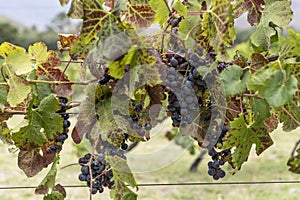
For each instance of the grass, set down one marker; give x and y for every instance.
(173, 165)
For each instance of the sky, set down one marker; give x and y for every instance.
(41, 12)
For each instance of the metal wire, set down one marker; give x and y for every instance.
(174, 184)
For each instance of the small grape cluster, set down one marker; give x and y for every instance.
(133, 120)
(66, 124)
(219, 158)
(107, 79)
(106, 148)
(101, 174)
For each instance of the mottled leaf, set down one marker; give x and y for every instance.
(140, 15)
(278, 13)
(258, 61)
(288, 123)
(76, 9)
(31, 162)
(253, 7)
(38, 51)
(243, 135)
(217, 27)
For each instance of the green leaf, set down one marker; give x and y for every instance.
(278, 13)
(278, 91)
(19, 89)
(3, 92)
(234, 80)
(180, 8)
(260, 109)
(294, 162)
(257, 80)
(243, 135)
(122, 175)
(49, 180)
(161, 10)
(288, 123)
(43, 123)
(55, 195)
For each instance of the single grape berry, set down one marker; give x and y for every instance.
(148, 126)
(124, 146)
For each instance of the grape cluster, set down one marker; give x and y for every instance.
(66, 124)
(185, 86)
(107, 79)
(219, 158)
(100, 175)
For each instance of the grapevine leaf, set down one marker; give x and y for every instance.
(63, 2)
(258, 61)
(3, 92)
(55, 195)
(43, 123)
(253, 7)
(180, 8)
(76, 9)
(19, 89)
(38, 51)
(187, 24)
(234, 80)
(122, 175)
(288, 123)
(294, 162)
(258, 79)
(98, 23)
(278, 13)
(49, 180)
(49, 69)
(7, 48)
(271, 123)
(243, 135)
(217, 27)
(140, 15)
(260, 109)
(146, 71)
(19, 62)
(161, 10)
(278, 91)
(4, 131)
(31, 162)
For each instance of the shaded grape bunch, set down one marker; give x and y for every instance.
(100, 175)
(59, 141)
(218, 158)
(223, 65)
(134, 122)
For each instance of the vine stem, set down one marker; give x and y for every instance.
(295, 148)
(69, 165)
(168, 6)
(291, 116)
(61, 82)
(65, 69)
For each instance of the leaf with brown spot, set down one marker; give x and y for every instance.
(140, 15)
(253, 7)
(31, 162)
(258, 61)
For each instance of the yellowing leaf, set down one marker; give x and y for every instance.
(140, 15)
(38, 51)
